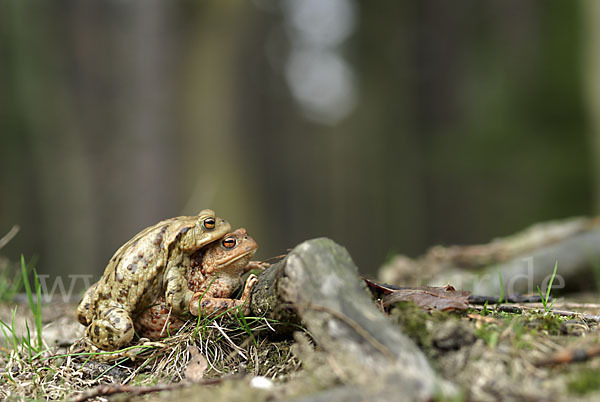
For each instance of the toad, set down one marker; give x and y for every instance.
(213, 274)
(150, 265)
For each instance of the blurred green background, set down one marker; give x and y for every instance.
(388, 126)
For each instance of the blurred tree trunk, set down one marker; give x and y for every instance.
(591, 16)
(125, 112)
(96, 89)
(62, 186)
(466, 125)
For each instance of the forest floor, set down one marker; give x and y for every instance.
(508, 352)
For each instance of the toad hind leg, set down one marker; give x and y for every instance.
(211, 305)
(112, 330)
(207, 304)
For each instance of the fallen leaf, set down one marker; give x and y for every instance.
(380, 288)
(430, 298)
(194, 371)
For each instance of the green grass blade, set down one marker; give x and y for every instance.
(199, 319)
(38, 310)
(36, 307)
(484, 310)
(26, 281)
(110, 368)
(551, 280)
(8, 339)
(26, 341)
(544, 301)
(14, 333)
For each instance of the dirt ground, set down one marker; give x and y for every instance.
(509, 352)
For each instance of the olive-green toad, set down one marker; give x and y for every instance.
(150, 265)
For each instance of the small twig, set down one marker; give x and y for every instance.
(569, 305)
(167, 321)
(509, 309)
(136, 390)
(516, 309)
(9, 236)
(276, 258)
(478, 299)
(235, 347)
(565, 313)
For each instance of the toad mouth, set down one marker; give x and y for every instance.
(221, 265)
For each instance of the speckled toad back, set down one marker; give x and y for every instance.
(149, 265)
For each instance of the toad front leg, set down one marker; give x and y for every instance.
(206, 303)
(258, 265)
(177, 296)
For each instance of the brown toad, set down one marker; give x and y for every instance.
(213, 274)
(150, 265)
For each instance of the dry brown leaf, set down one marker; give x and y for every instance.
(380, 288)
(194, 371)
(430, 297)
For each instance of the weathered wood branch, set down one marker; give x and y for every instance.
(318, 284)
(525, 259)
(575, 256)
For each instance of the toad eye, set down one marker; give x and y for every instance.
(229, 242)
(209, 223)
